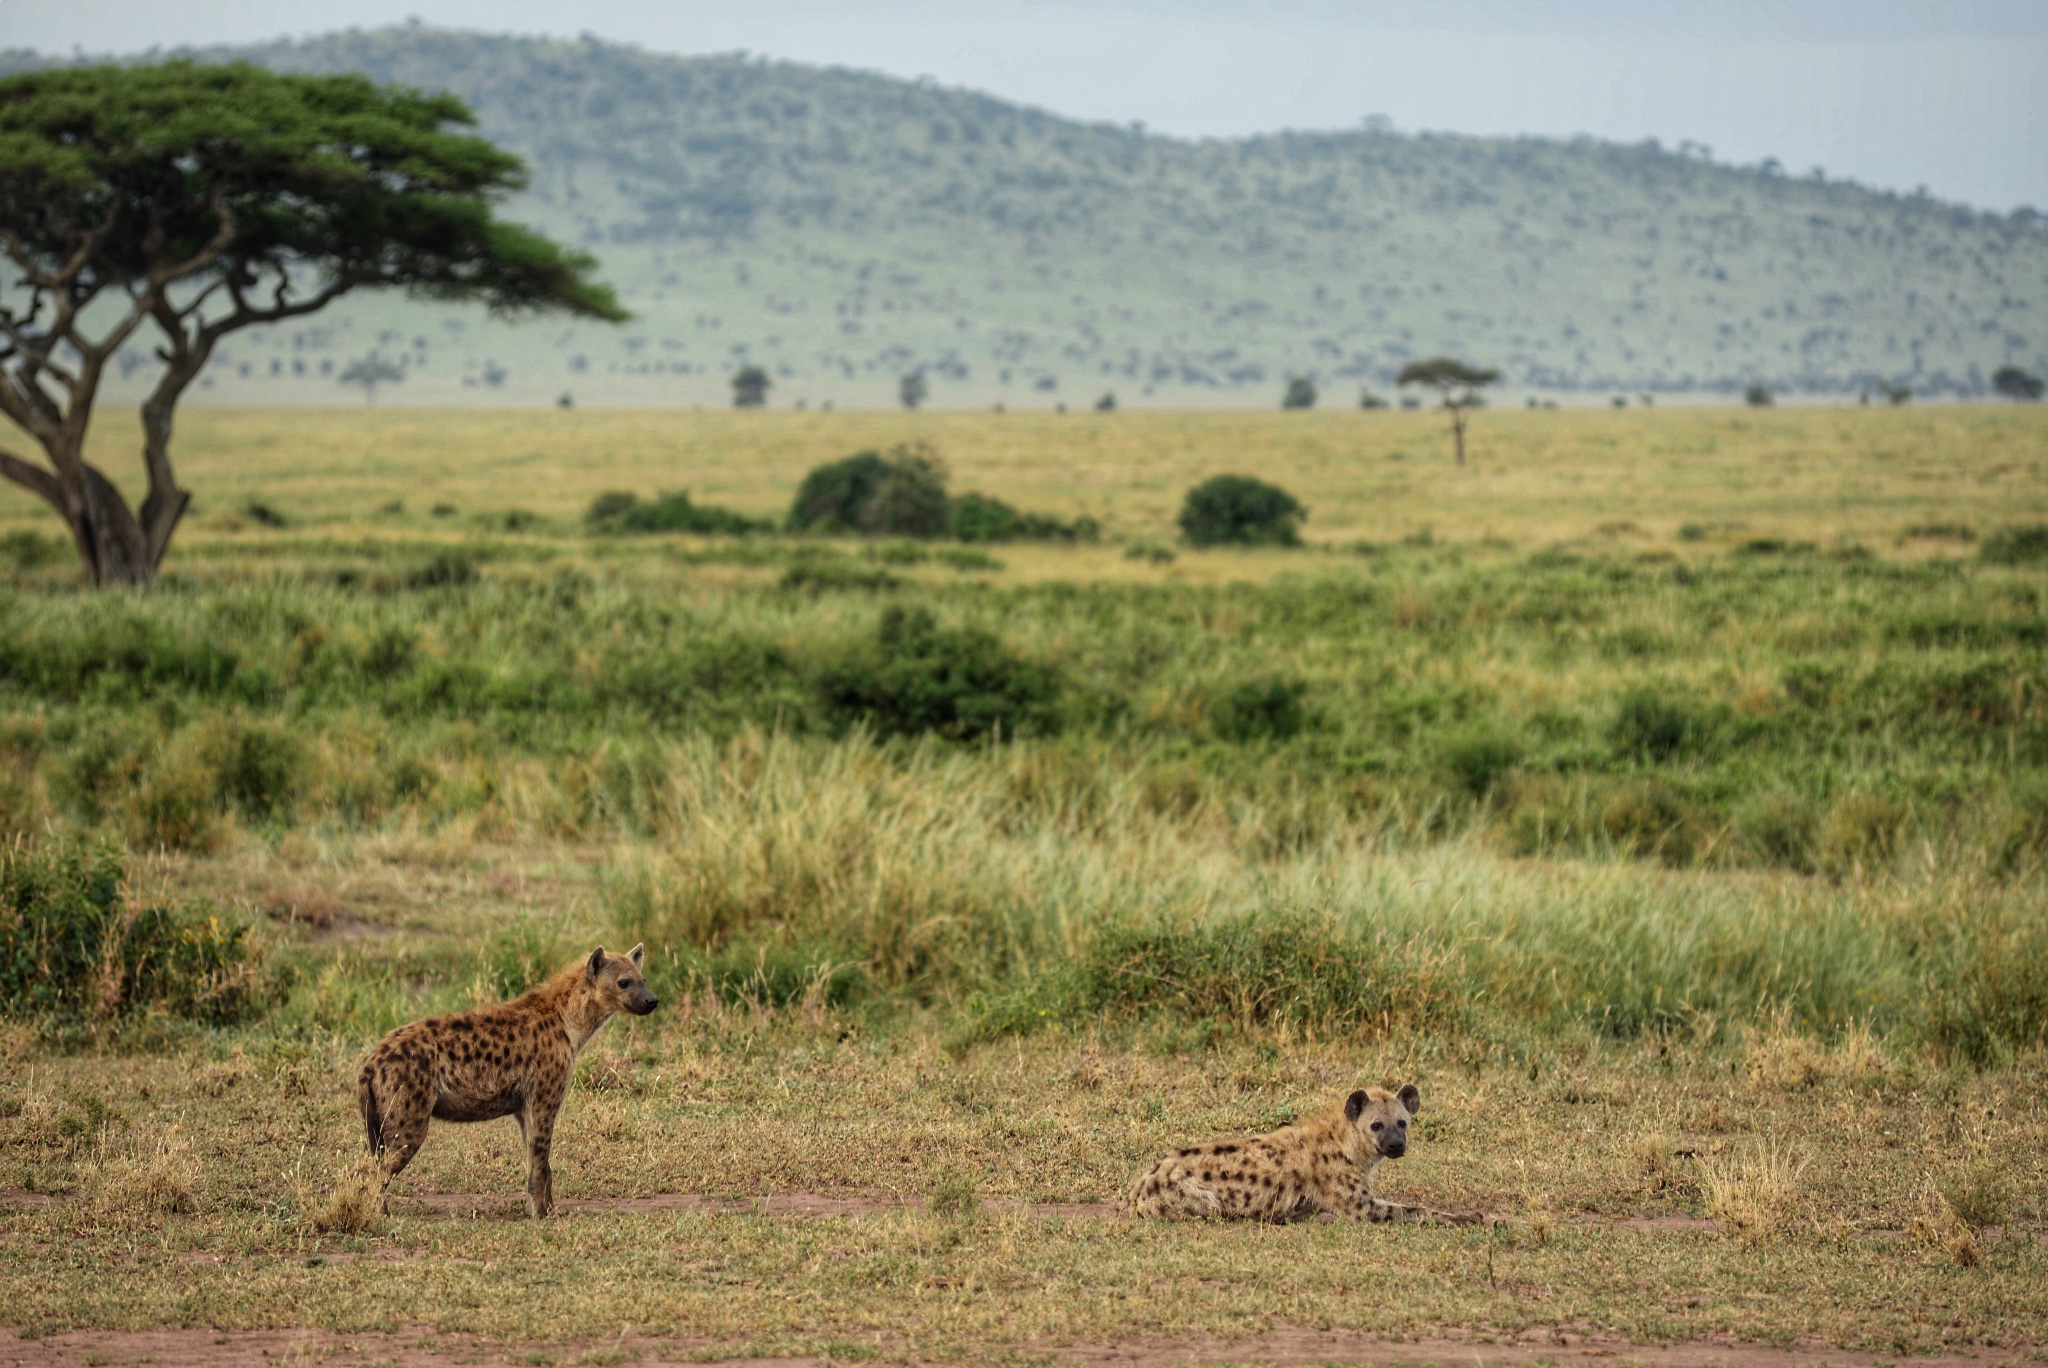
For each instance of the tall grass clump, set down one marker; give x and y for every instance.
(77, 948)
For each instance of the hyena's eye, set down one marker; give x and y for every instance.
(1377, 1126)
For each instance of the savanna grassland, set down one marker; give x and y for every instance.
(1662, 792)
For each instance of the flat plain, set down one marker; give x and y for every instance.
(1661, 792)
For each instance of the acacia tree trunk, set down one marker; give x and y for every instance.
(118, 545)
(1458, 430)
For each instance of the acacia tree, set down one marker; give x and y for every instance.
(185, 202)
(2014, 383)
(1458, 384)
(368, 372)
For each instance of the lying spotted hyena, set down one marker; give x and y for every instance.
(511, 1059)
(1320, 1163)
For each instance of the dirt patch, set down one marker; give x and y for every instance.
(801, 1204)
(1289, 1346)
(423, 1349)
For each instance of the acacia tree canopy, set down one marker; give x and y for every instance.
(1458, 384)
(185, 202)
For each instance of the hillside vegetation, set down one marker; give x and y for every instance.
(842, 228)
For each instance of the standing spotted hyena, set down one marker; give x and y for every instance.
(510, 1059)
(1320, 1163)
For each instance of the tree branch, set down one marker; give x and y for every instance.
(33, 478)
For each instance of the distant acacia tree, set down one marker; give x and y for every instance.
(1107, 403)
(750, 387)
(1459, 386)
(368, 372)
(913, 390)
(199, 200)
(1368, 400)
(1301, 393)
(1757, 396)
(2014, 383)
(1895, 395)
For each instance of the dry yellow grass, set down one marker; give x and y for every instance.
(1820, 474)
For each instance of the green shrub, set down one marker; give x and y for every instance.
(670, 513)
(74, 949)
(1479, 759)
(1651, 729)
(817, 575)
(261, 767)
(176, 806)
(1262, 709)
(979, 518)
(1780, 828)
(957, 682)
(263, 515)
(1239, 510)
(902, 494)
(2026, 544)
(24, 549)
(442, 570)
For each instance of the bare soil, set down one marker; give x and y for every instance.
(1280, 1347)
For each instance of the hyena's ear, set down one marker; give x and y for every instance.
(637, 953)
(1411, 1098)
(596, 965)
(1354, 1106)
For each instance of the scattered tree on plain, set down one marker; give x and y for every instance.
(368, 372)
(750, 387)
(1369, 400)
(1757, 396)
(199, 200)
(1301, 393)
(1459, 386)
(1895, 395)
(913, 390)
(2016, 384)
(1107, 403)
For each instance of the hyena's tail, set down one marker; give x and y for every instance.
(366, 1102)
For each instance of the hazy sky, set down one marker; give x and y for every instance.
(1947, 95)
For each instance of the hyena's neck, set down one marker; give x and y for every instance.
(581, 1018)
(582, 1022)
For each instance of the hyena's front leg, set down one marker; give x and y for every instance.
(1366, 1207)
(537, 1125)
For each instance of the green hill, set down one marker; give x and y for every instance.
(842, 228)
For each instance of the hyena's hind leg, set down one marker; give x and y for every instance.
(1170, 1192)
(395, 1121)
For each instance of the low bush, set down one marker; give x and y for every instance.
(957, 682)
(75, 949)
(1481, 758)
(1263, 709)
(979, 518)
(25, 549)
(1651, 729)
(816, 575)
(1239, 510)
(442, 570)
(618, 512)
(2026, 544)
(902, 494)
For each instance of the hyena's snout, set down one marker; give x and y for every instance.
(640, 1002)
